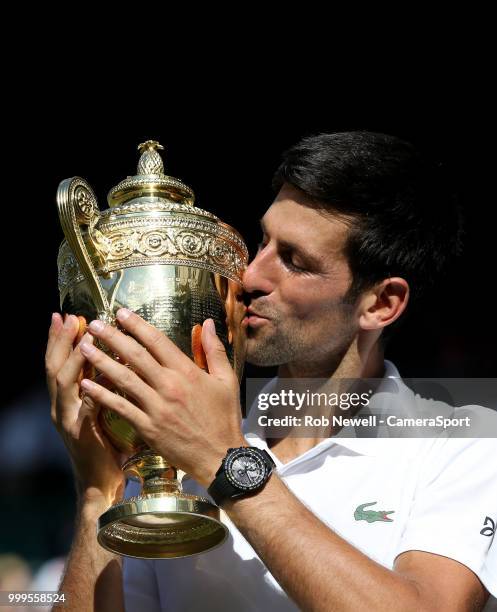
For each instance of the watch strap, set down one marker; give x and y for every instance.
(222, 489)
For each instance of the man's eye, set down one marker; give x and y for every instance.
(287, 260)
(295, 268)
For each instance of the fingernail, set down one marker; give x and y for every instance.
(97, 326)
(211, 328)
(87, 384)
(123, 313)
(87, 349)
(69, 322)
(87, 338)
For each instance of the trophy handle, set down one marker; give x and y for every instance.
(77, 206)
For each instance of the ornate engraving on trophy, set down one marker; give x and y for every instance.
(175, 265)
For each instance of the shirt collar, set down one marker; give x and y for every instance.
(381, 400)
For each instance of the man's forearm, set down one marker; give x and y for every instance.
(93, 576)
(317, 568)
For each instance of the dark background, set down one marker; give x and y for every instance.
(226, 148)
(229, 163)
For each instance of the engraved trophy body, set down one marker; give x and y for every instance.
(155, 253)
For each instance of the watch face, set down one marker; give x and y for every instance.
(245, 469)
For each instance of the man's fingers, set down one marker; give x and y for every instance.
(71, 372)
(129, 350)
(89, 408)
(217, 360)
(67, 386)
(55, 327)
(158, 344)
(117, 403)
(61, 345)
(122, 377)
(61, 338)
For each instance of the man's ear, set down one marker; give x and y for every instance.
(383, 303)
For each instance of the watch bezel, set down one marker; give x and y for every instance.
(254, 454)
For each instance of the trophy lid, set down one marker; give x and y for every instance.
(150, 180)
(151, 220)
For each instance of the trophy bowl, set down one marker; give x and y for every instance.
(175, 265)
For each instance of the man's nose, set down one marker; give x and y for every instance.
(259, 275)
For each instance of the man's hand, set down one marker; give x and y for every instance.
(96, 464)
(187, 415)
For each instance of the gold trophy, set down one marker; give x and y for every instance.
(155, 253)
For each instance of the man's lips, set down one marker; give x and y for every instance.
(252, 313)
(253, 318)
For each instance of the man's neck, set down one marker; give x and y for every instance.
(359, 361)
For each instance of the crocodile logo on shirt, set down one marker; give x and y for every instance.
(372, 515)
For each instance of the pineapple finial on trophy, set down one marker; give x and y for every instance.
(150, 161)
(150, 181)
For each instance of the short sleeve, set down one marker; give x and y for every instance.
(454, 510)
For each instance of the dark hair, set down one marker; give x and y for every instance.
(405, 220)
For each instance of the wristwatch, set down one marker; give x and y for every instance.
(243, 471)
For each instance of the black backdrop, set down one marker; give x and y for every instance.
(228, 160)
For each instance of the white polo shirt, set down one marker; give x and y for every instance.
(438, 492)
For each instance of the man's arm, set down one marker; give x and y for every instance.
(92, 580)
(93, 576)
(319, 570)
(316, 567)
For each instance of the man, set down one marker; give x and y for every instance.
(359, 225)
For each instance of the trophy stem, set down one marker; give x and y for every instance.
(162, 522)
(154, 472)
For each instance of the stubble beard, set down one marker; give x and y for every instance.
(280, 346)
(272, 349)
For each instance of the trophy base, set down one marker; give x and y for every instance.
(161, 526)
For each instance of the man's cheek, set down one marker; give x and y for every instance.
(311, 313)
